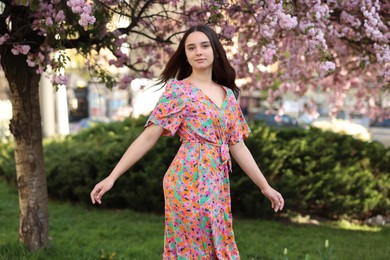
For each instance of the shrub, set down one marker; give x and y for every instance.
(319, 173)
(77, 163)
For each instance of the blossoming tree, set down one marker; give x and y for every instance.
(338, 47)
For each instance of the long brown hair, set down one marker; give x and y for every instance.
(178, 67)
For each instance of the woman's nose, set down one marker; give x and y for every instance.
(198, 51)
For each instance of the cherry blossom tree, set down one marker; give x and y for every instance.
(338, 47)
(35, 35)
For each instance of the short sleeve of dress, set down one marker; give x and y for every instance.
(170, 109)
(239, 130)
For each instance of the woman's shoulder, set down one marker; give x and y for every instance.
(176, 83)
(172, 85)
(181, 88)
(229, 92)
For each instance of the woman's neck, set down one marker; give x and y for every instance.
(201, 77)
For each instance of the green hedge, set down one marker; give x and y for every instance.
(319, 173)
(322, 173)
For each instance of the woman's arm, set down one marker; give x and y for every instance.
(245, 160)
(136, 151)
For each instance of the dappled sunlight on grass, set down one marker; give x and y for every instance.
(344, 224)
(340, 224)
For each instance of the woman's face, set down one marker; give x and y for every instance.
(199, 51)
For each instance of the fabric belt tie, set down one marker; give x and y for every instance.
(223, 150)
(225, 156)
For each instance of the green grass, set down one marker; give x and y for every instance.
(80, 233)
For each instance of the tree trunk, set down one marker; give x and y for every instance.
(27, 131)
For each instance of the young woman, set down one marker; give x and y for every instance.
(199, 102)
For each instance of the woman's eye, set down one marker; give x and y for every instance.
(206, 46)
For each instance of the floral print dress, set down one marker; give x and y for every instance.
(198, 218)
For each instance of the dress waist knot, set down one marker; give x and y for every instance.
(223, 151)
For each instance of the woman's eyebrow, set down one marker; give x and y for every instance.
(193, 44)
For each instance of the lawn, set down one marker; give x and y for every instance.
(77, 232)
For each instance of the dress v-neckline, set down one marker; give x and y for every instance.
(206, 96)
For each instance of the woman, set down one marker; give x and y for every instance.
(201, 105)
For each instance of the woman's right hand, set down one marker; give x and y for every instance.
(275, 197)
(101, 188)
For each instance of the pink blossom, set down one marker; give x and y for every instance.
(266, 31)
(174, 2)
(287, 22)
(30, 61)
(49, 21)
(327, 66)
(41, 57)
(20, 49)
(76, 5)
(382, 53)
(386, 74)
(125, 81)
(111, 62)
(87, 9)
(86, 19)
(60, 79)
(349, 19)
(269, 53)
(15, 51)
(305, 25)
(83, 8)
(24, 49)
(40, 70)
(60, 16)
(228, 31)
(4, 38)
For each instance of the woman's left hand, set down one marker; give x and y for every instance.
(275, 197)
